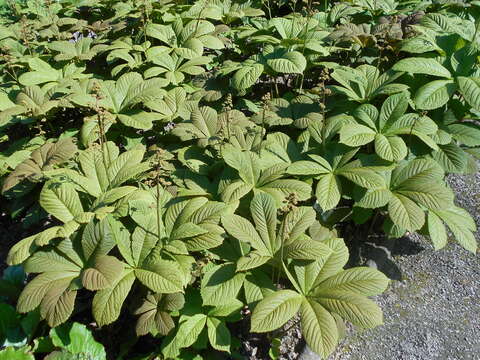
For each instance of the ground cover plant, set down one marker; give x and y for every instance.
(175, 172)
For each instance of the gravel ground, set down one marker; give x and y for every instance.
(433, 311)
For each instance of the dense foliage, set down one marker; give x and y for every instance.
(186, 166)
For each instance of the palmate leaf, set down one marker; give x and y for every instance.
(41, 159)
(103, 169)
(195, 222)
(295, 223)
(121, 96)
(255, 176)
(154, 313)
(328, 294)
(68, 265)
(309, 275)
(50, 291)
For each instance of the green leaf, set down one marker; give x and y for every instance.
(430, 195)
(292, 62)
(154, 314)
(221, 284)
(77, 339)
(470, 89)
(162, 276)
(466, 133)
(405, 213)
(311, 275)
(264, 214)
(41, 73)
(304, 167)
(362, 176)
(393, 107)
(97, 239)
(247, 76)
(451, 157)
(462, 226)
(296, 222)
(275, 310)
(103, 273)
(252, 260)
(107, 303)
(41, 159)
(187, 230)
(391, 148)
(416, 171)
(243, 162)
(218, 334)
(139, 119)
(305, 248)
(357, 309)
(243, 230)
(61, 200)
(188, 332)
(318, 328)
(360, 280)
(328, 191)
(437, 231)
(425, 66)
(434, 94)
(11, 353)
(356, 135)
